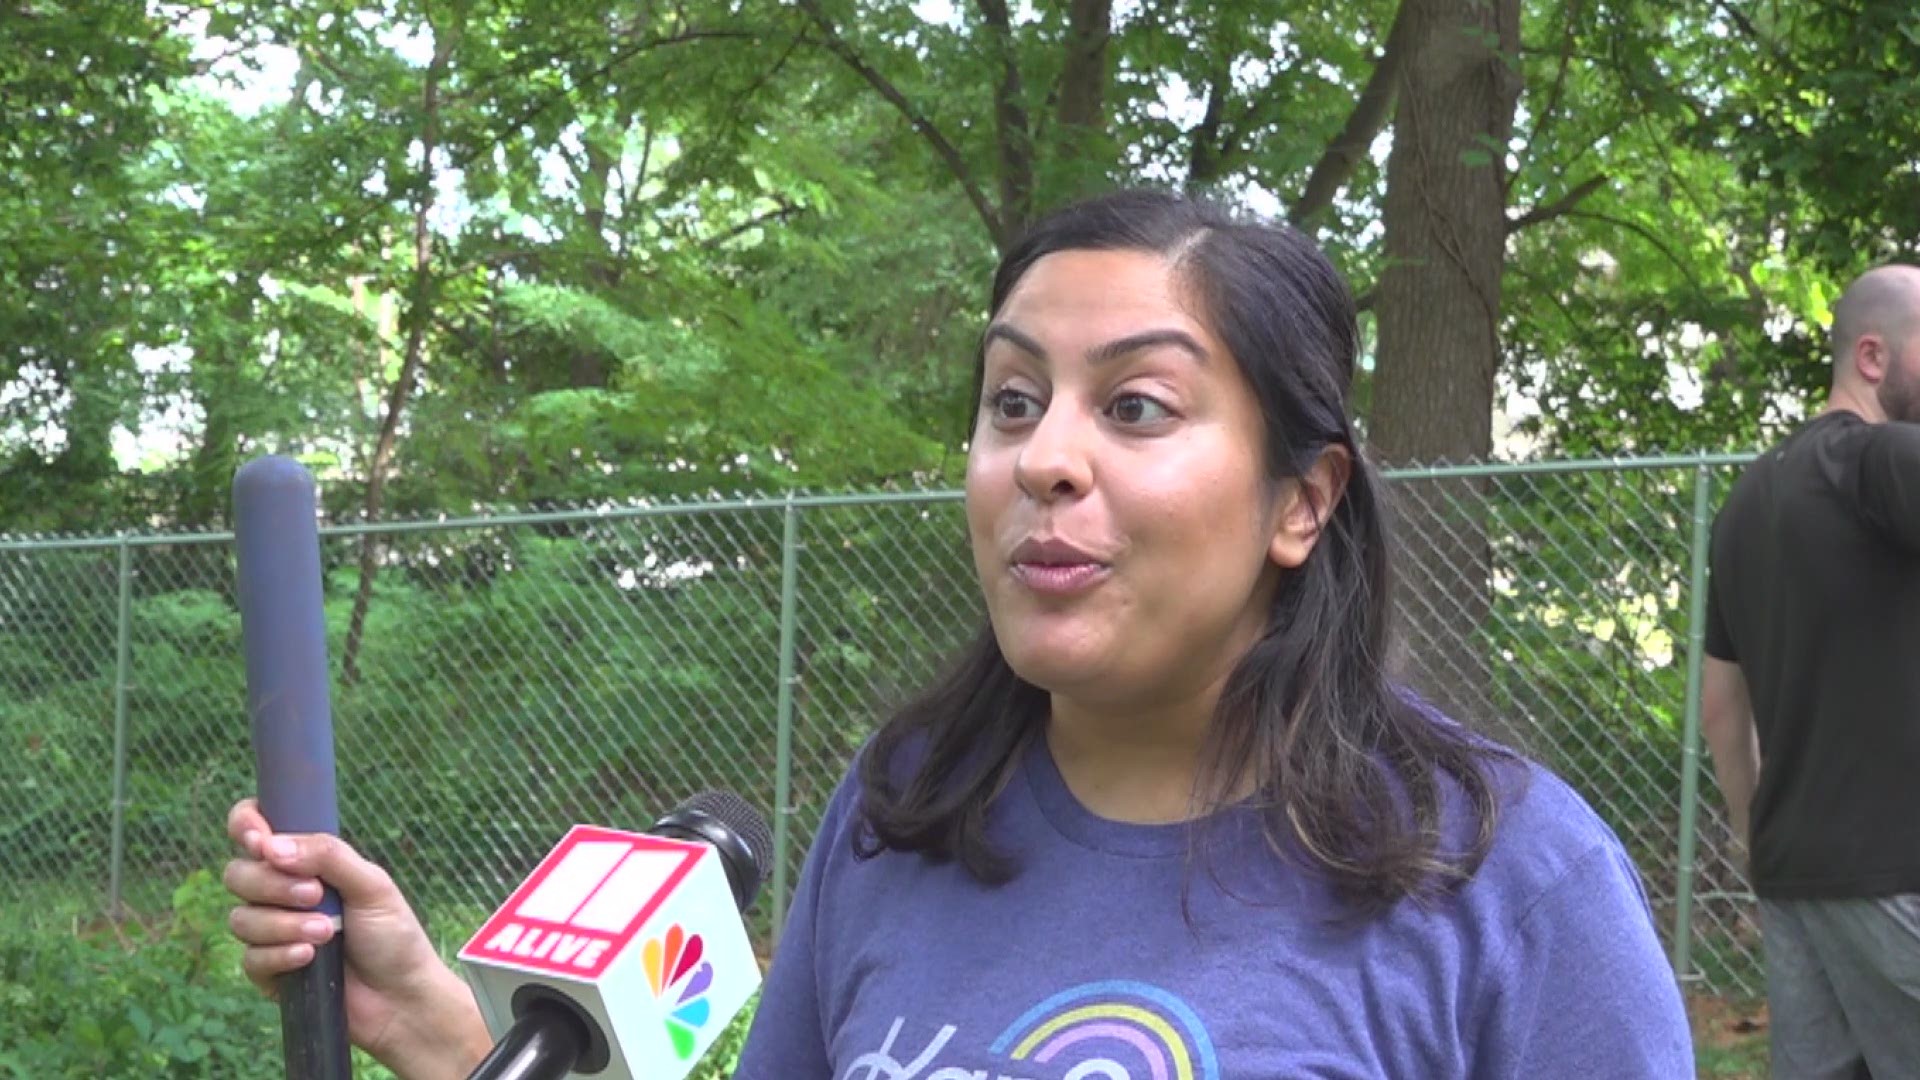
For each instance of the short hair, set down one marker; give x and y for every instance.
(1885, 300)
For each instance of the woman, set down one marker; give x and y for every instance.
(1166, 817)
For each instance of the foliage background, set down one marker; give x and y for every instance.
(462, 255)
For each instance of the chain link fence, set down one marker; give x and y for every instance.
(513, 674)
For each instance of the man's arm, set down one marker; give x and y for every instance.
(1726, 719)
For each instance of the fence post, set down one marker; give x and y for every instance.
(1690, 734)
(783, 753)
(119, 811)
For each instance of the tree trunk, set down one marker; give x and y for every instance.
(1083, 78)
(84, 468)
(1370, 111)
(216, 459)
(1081, 157)
(1012, 131)
(224, 352)
(419, 317)
(587, 367)
(1438, 305)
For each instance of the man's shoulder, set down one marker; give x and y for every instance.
(1818, 466)
(1779, 469)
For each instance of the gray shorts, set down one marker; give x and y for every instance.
(1843, 987)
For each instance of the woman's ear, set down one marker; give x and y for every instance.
(1306, 505)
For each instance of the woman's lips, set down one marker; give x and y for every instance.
(1056, 567)
(1060, 579)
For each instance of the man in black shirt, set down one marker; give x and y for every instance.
(1811, 698)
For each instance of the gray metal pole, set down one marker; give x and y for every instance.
(120, 674)
(783, 754)
(1690, 734)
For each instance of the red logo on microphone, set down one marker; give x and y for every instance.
(585, 902)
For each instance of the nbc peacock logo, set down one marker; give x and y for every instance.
(680, 976)
(1115, 1030)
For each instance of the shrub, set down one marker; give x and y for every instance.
(163, 996)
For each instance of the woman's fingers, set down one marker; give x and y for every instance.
(264, 964)
(259, 883)
(270, 927)
(277, 880)
(330, 859)
(288, 869)
(247, 826)
(277, 940)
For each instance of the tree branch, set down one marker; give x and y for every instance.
(1081, 92)
(753, 90)
(786, 210)
(327, 64)
(631, 194)
(947, 152)
(1543, 288)
(511, 128)
(1745, 24)
(1550, 112)
(1012, 128)
(1644, 233)
(1559, 207)
(520, 70)
(1371, 111)
(531, 260)
(204, 65)
(1206, 157)
(420, 319)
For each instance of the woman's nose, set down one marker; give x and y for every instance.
(1055, 462)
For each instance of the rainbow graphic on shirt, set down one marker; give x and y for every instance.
(674, 966)
(1134, 1021)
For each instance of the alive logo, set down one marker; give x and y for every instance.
(584, 903)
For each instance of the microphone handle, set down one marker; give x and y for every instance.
(543, 1044)
(283, 635)
(313, 1019)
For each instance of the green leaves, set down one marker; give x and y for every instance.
(764, 230)
(1830, 112)
(165, 998)
(1660, 311)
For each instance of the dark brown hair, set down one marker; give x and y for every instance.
(1348, 767)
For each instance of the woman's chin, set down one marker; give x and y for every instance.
(1059, 671)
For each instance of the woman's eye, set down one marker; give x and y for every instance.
(1014, 405)
(1137, 409)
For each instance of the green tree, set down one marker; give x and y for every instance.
(75, 113)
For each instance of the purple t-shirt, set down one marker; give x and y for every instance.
(1086, 967)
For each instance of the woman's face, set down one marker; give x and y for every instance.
(1127, 538)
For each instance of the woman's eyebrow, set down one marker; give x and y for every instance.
(1111, 350)
(1148, 339)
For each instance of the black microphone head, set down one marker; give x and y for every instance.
(740, 817)
(732, 827)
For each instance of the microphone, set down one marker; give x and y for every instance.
(284, 635)
(623, 955)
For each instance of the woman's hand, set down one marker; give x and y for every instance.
(404, 1006)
